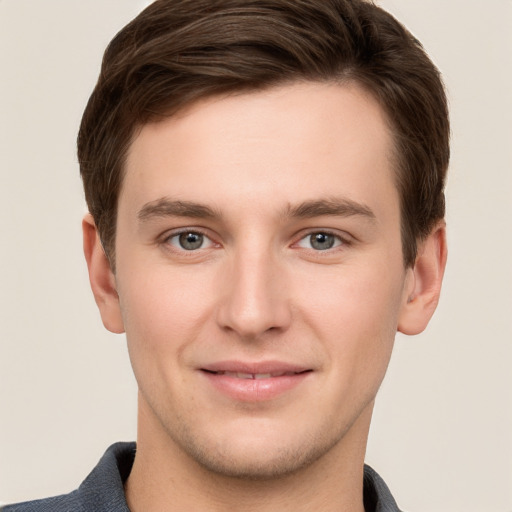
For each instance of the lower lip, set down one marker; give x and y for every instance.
(255, 390)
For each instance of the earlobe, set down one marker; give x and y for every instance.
(425, 282)
(101, 277)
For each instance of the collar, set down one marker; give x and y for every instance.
(107, 479)
(103, 489)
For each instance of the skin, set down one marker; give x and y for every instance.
(256, 175)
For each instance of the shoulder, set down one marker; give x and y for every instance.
(101, 491)
(65, 503)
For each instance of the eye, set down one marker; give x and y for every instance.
(190, 241)
(320, 241)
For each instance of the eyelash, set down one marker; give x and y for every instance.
(176, 234)
(340, 241)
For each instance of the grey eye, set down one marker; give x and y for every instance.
(190, 241)
(322, 241)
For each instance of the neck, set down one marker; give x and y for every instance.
(165, 479)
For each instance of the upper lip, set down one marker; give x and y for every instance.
(261, 367)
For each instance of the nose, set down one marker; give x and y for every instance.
(254, 299)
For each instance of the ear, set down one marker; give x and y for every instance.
(424, 283)
(101, 277)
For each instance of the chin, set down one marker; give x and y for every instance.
(257, 458)
(268, 466)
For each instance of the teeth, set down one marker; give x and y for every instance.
(240, 375)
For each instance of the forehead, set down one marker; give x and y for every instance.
(291, 143)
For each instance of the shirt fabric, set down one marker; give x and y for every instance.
(103, 491)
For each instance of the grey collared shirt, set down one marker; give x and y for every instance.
(103, 491)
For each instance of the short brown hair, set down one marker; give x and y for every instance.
(178, 51)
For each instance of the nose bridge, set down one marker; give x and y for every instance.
(254, 299)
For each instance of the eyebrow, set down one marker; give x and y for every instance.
(165, 207)
(341, 207)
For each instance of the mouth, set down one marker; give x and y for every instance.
(256, 376)
(247, 382)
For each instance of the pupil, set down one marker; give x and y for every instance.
(191, 241)
(322, 241)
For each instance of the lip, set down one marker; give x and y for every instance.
(254, 381)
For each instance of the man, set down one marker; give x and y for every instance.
(265, 185)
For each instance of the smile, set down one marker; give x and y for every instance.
(260, 382)
(240, 375)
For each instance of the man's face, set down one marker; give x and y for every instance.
(260, 275)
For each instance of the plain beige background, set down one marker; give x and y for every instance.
(442, 432)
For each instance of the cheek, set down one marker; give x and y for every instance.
(163, 315)
(356, 314)
(359, 297)
(162, 312)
